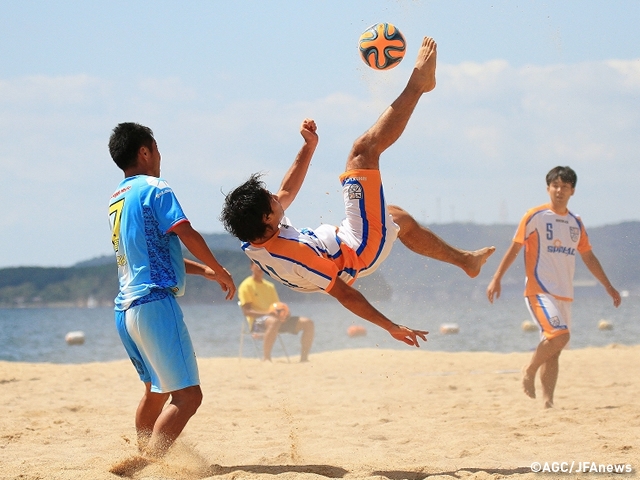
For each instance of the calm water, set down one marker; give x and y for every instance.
(37, 335)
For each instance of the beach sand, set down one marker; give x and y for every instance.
(352, 414)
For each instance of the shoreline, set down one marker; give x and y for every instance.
(353, 414)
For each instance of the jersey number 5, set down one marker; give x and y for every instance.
(549, 231)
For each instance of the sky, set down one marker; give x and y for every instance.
(522, 86)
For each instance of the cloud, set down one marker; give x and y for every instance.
(46, 92)
(486, 135)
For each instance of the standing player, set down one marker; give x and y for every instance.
(147, 226)
(329, 259)
(552, 236)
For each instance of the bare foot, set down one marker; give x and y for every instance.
(528, 384)
(476, 260)
(548, 404)
(424, 72)
(129, 466)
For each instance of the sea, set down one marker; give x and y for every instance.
(38, 334)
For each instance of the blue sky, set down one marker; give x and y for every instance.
(522, 87)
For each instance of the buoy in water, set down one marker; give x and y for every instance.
(74, 338)
(529, 326)
(447, 328)
(356, 331)
(605, 325)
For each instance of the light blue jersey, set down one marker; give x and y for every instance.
(142, 211)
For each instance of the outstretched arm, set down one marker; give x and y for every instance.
(495, 286)
(296, 174)
(594, 266)
(355, 302)
(211, 269)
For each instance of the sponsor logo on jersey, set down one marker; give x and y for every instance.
(561, 249)
(554, 321)
(121, 191)
(558, 248)
(355, 192)
(163, 192)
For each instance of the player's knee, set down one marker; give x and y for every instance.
(188, 399)
(363, 145)
(363, 152)
(401, 217)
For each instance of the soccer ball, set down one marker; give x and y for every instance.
(382, 46)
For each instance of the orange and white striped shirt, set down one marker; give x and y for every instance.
(309, 260)
(551, 243)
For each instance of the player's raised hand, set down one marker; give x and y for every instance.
(308, 130)
(408, 335)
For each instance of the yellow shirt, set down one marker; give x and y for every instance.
(261, 295)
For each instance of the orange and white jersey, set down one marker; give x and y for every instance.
(296, 258)
(310, 260)
(551, 243)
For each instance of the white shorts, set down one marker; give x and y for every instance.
(553, 316)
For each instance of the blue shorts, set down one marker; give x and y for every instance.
(158, 343)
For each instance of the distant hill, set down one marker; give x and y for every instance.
(402, 277)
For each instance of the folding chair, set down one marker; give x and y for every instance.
(256, 338)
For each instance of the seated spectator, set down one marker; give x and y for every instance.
(257, 298)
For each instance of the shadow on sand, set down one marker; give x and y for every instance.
(409, 475)
(323, 470)
(339, 472)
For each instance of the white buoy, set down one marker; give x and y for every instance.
(356, 331)
(605, 325)
(529, 326)
(74, 338)
(448, 328)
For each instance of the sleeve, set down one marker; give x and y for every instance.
(583, 244)
(167, 209)
(521, 231)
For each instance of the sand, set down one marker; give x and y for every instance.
(352, 414)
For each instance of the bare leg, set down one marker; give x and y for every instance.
(366, 150)
(424, 242)
(272, 325)
(549, 377)
(158, 427)
(307, 327)
(149, 409)
(173, 419)
(547, 350)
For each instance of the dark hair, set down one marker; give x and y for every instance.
(125, 142)
(245, 208)
(566, 174)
